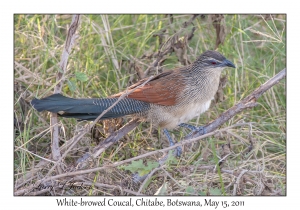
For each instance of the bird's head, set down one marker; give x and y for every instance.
(213, 59)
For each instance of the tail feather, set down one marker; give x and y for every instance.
(89, 109)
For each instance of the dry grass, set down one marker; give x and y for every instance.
(254, 155)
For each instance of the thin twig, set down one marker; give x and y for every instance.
(220, 161)
(148, 177)
(51, 161)
(102, 185)
(236, 184)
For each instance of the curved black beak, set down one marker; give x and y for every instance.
(228, 63)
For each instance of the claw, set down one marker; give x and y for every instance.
(200, 129)
(191, 127)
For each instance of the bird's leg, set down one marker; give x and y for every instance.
(199, 129)
(178, 149)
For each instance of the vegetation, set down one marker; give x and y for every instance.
(112, 52)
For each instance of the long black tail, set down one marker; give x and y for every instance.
(89, 109)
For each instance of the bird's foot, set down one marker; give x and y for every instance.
(178, 150)
(188, 126)
(200, 129)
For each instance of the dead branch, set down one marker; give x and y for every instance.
(113, 138)
(57, 89)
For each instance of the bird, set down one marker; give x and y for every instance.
(167, 100)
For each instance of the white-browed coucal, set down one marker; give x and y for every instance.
(169, 99)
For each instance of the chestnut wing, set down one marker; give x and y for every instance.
(162, 89)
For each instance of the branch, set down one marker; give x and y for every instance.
(109, 141)
(57, 89)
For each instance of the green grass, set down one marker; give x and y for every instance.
(256, 44)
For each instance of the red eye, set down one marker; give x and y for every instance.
(213, 63)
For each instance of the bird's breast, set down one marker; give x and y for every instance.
(193, 110)
(171, 116)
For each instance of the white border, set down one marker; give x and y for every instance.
(153, 6)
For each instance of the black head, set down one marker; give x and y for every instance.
(213, 59)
